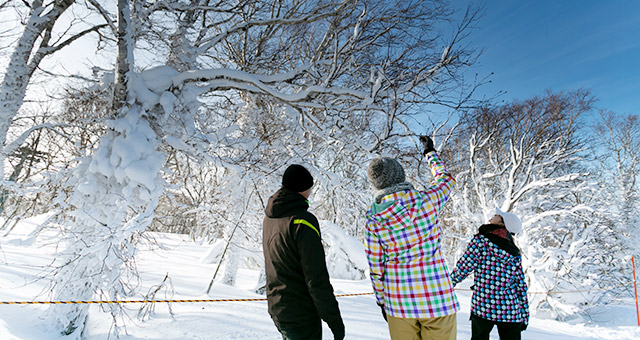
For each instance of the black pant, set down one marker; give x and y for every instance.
(480, 329)
(296, 331)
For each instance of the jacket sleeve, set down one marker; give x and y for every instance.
(522, 293)
(467, 263)
(375, 256)
(438, 192)
(314, 267)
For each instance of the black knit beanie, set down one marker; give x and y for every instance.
(297, 178)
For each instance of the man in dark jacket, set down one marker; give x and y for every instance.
(299, 293)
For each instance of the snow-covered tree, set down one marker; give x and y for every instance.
(252, 86)
(367, 45)
(42, 35)
(617, 143)
(318, 48)
(27, 191)
(116, 190)
(529, 157)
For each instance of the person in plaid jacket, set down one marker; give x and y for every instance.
(408, 273)
(499, 286)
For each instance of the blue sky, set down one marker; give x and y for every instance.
(531, 46)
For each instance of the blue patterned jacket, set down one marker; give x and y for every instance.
(500, 289)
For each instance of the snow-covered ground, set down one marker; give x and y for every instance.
(24, 259)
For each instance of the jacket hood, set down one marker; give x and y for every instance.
(284, 203)
(395, 213)
(505, 244)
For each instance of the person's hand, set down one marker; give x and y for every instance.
(427, 144)
(337, 328)
(384, 312)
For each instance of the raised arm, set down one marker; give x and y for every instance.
(442, 184)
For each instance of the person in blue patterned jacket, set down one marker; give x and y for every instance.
(499, 286)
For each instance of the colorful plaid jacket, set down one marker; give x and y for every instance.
(407, 270)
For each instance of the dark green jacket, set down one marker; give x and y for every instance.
(298, 287)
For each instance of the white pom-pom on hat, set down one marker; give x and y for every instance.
(511, 221)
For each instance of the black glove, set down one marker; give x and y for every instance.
(524, 327)
(427, 144)
(337, 328)
(384, 312)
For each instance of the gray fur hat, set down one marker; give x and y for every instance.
(384, 172)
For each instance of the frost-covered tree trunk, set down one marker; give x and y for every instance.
(124, 60)
(116, 192)
(231, 265)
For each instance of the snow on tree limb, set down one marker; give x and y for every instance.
(558, 212)
(17, 142)
(225, 78)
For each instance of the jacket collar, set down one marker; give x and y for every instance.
(506, 244)
(380, 194)
(285, 203)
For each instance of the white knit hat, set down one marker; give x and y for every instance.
(511, 221)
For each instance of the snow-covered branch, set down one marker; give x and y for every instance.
(558, 212)
(13, 146)
(233, 79)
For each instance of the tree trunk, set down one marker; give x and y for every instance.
(23, 62)
(124, 58)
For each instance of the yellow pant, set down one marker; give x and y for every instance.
(441, 328)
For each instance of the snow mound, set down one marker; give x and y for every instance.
(214, 253)
(346, 258)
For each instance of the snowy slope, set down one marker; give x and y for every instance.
(23, 260)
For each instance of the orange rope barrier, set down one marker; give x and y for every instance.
(264, 299)
(145, 301)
